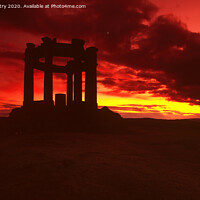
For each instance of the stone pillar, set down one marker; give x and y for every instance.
(48, 85)
(69, 89)
(91, 77)
(30, 60)
(78, 84)
(78, 53)
(48, 77)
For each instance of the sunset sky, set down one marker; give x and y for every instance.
(148, 58)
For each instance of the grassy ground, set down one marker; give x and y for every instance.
(156, 160)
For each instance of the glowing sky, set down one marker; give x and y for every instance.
(148, 59)
(187, 11)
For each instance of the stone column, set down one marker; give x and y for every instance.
(28, 75)
(91, 77)
(78, 52)
(48, 77)
(48, 83)
(78, 84)
(69, 89)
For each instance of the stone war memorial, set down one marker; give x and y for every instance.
(69, 111)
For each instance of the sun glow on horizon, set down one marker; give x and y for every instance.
(149, 104)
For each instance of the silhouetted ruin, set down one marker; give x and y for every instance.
(73, 115)
(83, 61)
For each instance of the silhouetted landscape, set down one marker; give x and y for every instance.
(77, 151)
(155, 159)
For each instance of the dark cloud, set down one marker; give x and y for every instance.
(175, 51)
(138, 108)
(12, 55)
(6, 108)
(108, 82)
(107, 23)
(8, 105)
(168, 52)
